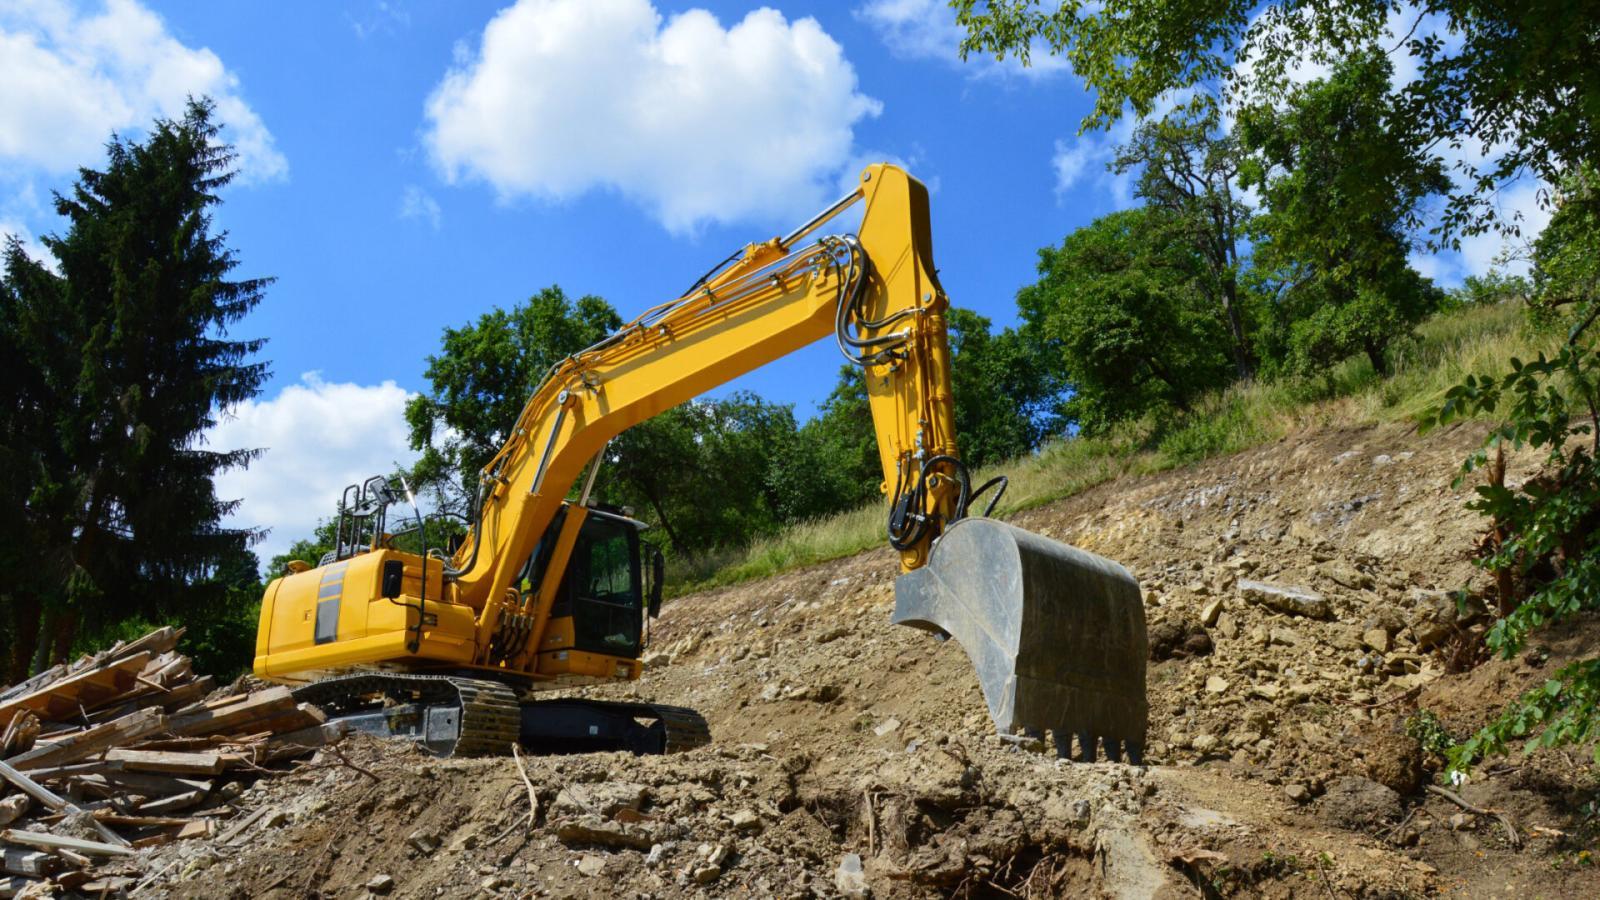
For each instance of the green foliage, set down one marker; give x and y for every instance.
(1188, 172)
(1426, 729)
(710, 472)
(483, 375)
(1006, 392)
(1493, 287)
(1227, 420)
(307, 550)
(1541, 546)
(116, 367)
(1516, 76)
(1566, 256)
(221, 640)
(1341, 184)
(1117, 308)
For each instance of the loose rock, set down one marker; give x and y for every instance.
(1296, 601)
(850, 879)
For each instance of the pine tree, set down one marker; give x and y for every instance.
(123, 362)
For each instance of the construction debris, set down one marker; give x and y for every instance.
(129, 749)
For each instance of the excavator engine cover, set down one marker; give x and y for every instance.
(1057, 634)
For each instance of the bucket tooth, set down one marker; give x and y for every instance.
(1056, 634)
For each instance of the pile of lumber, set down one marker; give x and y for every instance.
(127, 749)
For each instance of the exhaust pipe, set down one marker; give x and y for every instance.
(1056, 634)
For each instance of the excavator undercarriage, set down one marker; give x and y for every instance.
(454, 715)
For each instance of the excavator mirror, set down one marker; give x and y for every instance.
(393, 571)
(658, 566)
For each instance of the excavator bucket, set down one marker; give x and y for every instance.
(1057, 634)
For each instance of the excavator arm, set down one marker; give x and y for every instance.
(877, 294)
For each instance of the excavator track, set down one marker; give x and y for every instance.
(448, 715)
(577, 725)
(455, 716)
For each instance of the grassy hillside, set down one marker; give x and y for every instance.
(1447, 347)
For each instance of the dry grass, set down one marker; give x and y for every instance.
(1447, 348)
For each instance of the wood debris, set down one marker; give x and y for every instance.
(130, 748)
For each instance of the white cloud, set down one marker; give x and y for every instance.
(72, 77)
(1520, 204)
(417, 203)
(927, 29)
(696, 122)
(317, 437)
(381, 17)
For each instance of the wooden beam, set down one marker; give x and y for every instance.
(12, 885)
(90, 741)
(62, 700)
(173, 803)
(45, 796)
(56, 841)
(260, 705)
(167, 762)
(36, 863)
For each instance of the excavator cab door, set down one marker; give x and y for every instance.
(602, 589)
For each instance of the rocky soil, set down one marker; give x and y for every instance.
(1298, 608)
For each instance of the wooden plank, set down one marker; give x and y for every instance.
(197, 828)
(110, 885)
(260, 705)
(146, 784)
(187, 693)
(14, 807)
(171, 763)
(60, 773)
(36, 863)
(162, 640)
(301, 717)
(12, 885)
(73, 857)
(49, 799)
(90, 741)
(112, 818)
(243, 824)
(56, 841)
(63, 699)
(299, 743)
(174, 803)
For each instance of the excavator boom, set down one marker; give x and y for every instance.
(1056, 634)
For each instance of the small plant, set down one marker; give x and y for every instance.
(1430, 732)
(1541, 544)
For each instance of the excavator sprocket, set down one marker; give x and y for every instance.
(1057, 634)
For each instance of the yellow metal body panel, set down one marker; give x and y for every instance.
(367, 627)
(776, 299)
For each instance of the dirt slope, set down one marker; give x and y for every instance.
(1277, 763)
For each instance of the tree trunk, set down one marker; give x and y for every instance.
(666, 524)
(65, 628)
(1230, 307)
(25, 609)
(1375, 356)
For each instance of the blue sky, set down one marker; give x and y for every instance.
(406, 167)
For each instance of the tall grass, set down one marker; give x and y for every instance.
(1445, 350)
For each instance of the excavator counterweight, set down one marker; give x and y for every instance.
(549, 590)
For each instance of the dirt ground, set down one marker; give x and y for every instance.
(853, 758)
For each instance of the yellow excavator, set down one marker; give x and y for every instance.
(451, 647)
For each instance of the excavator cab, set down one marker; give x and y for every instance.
(611, 582)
